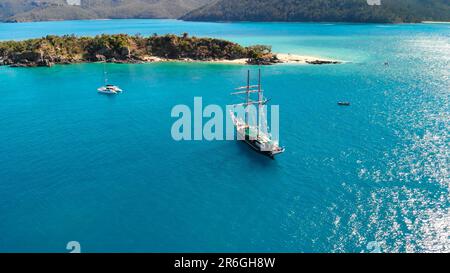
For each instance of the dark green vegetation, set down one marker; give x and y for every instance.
(390, 11)
(122, 48)
(44, 10)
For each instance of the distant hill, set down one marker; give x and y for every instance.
(141, 8)
(34, 10)
(390, 11)
(43, 10)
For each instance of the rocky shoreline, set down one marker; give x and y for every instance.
(126, 49)
(32, 61)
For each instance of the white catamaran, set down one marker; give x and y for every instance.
(256, 136)
(109, 88)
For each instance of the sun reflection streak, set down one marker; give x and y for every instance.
(410, 203)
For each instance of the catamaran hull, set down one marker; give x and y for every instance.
(107, 92)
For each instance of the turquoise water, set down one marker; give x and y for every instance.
(104, 171)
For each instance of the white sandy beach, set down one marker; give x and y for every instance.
(301, 59)
(435, 22)
(284, 58)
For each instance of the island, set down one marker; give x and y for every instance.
(124, 48)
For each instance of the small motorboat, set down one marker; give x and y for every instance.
(109, 89)
(344, 103)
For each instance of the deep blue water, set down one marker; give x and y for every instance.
(104, 171)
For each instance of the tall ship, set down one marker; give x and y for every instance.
(256, 135)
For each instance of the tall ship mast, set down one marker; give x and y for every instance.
(255, 135)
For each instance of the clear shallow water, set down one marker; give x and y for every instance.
(104, 171)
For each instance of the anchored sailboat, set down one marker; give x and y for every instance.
(109, 88)
(256, 136)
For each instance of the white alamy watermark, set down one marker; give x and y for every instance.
(374, 2)
(213, 122)
(73, 247)
(74, 2)
(373, 247)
